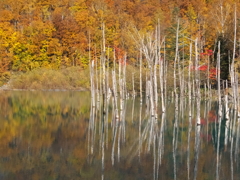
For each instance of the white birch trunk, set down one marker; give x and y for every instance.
(175, 59)
(141, 76)
(197, 85)
(161, 84)
(218, 79)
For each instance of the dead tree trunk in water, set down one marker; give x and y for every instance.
(175, 59)
(197, 83)
(218, 79)
(141, 76)
(189, 81)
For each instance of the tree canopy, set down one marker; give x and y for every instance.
(56, 34)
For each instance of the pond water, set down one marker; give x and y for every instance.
(58, 135)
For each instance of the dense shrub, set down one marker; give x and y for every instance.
(73, 78)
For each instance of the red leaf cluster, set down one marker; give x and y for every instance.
(204, 68)
(208, 52)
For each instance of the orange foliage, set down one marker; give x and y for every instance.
(52, 29)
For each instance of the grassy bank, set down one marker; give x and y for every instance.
(73, 78)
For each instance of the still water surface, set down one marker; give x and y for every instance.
(58, 135)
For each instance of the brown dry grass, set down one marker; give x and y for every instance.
(73, 78)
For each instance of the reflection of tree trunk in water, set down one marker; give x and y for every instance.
(193, 88)
(94, 131)
(182, 111)
(177, 126)
(205, 110)
(231, 122)
(153, 113)
(121, 128)
(197, 146)
(215, 132)
(133, 105)
(218, 144)
(174, 163)
(232, 141)
(106, 121)
(188, 147)
(145, 133)
(91, 131)
(152, 131)
(139, 133)
(113, 113)
(88, 135)
(237, 141)
(114, 141)
(154, 156)
(103, 142)
(209, 105)
(101, 110)
(160, 143)
(189, 114)
(119, 132)
(124, 123)
(119, 138)
(175, 136)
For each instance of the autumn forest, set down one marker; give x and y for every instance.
(57, 34)
(179, 59)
